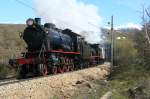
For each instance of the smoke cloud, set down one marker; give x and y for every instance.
(82, 18)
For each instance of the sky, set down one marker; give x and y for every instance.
(126, 12)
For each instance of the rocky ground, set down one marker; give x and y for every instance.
(61, 86)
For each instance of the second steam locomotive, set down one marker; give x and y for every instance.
(51, 50)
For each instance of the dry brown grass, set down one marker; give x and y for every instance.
(10, 43)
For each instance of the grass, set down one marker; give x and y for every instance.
(10, 46)
(119, 85)
(135, 76)
(6, 71)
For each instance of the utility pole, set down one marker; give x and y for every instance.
(112, 41)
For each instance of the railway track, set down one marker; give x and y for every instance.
(8, 81)
(12, 80)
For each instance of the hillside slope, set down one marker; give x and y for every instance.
(10, 42)
(10, 46)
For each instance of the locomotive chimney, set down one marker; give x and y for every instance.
(38, 21)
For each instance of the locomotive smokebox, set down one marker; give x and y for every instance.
(38, 21)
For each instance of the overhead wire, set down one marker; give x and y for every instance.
(26, 5)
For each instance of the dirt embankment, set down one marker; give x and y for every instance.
(62, 86)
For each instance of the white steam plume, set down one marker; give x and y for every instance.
(73, 14)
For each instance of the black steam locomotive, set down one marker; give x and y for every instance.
(51, 50)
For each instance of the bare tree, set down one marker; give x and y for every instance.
(146, 13)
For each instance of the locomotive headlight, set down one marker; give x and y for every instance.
(30, 22)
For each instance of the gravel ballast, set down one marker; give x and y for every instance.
(51, 86)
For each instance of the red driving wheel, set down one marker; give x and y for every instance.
(72, 67)
(44, 70)
(65, 68)
(60, 69)
(54, 70)
(68, 67)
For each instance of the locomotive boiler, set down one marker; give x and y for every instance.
(48, 36)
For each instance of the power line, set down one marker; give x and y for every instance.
(26, 5)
